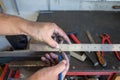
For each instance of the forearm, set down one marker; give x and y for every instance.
(12, 25)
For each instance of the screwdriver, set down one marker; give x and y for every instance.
(98, 54)
(60, 58)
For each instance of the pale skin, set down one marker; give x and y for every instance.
(42, 31)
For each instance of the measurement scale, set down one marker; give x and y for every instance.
(76, 47)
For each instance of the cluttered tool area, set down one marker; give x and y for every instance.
(82, 27)
(90, 27)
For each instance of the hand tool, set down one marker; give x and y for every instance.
(77, 56)
(15, 74)
(10, 74)
(73, 47)
(7, 72)
(90, 56)
(98, 54)
(60, 58)
(81, 57)
(4, 71)
(60, 40)
(106, 38)
(74, 38)
(0, 70)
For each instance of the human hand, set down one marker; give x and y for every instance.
(52, 58)
(51, 73)
(51, 30)
(44, 31)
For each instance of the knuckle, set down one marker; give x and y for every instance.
(54, 25)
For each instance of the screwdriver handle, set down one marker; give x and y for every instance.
(60, 58)
(74, 38)
(101, 59)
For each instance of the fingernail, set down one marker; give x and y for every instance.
(64, 61)
(57, 46)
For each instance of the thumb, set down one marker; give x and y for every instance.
(60, 67)
(52, 43)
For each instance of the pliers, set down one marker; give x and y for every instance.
(106, 38)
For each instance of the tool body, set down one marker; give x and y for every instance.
(60, 58)
(73, 37)
(74, 47)
(90, 56)
(98, 53)
(9, 74)
(106, 38)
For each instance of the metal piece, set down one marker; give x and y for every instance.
(98, 54)
(77, 56)
(90, 37)
(26, 64)
(19, 53)
(92, 58)
(76, 47)
(73, 54)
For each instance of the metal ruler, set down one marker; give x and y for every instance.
(76, 47)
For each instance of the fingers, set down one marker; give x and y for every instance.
(50, 59)
(60, 67)
(62, 33)
(52, 42)
(54, 56)
(67, 63)
(47, 62)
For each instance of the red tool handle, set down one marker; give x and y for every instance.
(17, 75)
(74, 38)
(5, 69)
(104, 39)
(9, 76)
(116, 52)
(107, 39)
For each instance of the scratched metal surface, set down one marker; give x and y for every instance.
(97, 22)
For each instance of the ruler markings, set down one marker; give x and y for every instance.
(76, 47)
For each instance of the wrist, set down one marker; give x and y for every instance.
(26, 27)
(19, 25)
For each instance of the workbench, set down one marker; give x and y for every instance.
(97, 22)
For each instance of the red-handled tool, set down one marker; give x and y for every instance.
(89, 55)
(106, 38)
(9, 74)
(17, 74)
(74, 38)
(4, 71)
